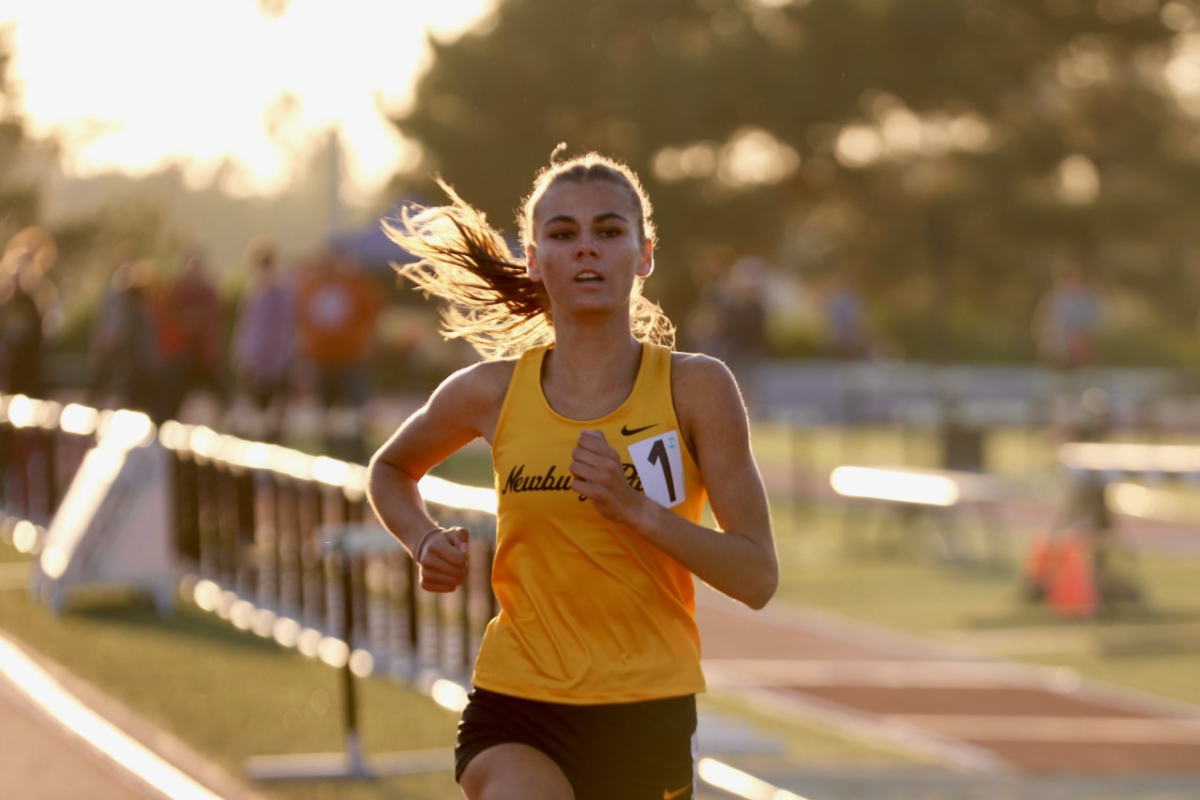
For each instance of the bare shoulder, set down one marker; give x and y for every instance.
(699, 377)
(707, 400)
(471, 397)
(484, 381)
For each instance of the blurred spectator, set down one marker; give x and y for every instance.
(28, 310)
(27, 302)
(743, 312)
(730, 323)
(263, 344)
(702, 328)
(22, 335)
(845, 325)
(109, 325)
(125, 362)
(336, 311)
(189, 326)
(1067, 319)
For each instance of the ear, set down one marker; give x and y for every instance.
(531, 268)
(646, 262)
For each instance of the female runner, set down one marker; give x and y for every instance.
(605, 447)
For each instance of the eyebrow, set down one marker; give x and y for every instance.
(598, 218)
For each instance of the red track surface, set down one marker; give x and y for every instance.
(963, 708)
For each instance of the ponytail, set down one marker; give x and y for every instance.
(489, 299)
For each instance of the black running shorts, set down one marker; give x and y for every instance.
(628, 751)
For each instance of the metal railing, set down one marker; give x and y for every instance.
(265, 530)
(42, 444)
(279, 542)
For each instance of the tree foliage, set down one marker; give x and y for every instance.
(21, 156)
(947, 151)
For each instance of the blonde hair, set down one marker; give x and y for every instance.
(490, 300)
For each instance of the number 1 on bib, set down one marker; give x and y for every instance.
(659, 463)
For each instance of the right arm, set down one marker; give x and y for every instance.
(465, 407)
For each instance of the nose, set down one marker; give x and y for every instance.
(585, 244)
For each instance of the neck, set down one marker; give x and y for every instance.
(589, 373)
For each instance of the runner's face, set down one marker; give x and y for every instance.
(587, 246)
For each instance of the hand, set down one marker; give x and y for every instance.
(442, 559)
(600, 477)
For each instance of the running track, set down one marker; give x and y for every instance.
(963, 709)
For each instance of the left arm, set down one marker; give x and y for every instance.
(738, 559)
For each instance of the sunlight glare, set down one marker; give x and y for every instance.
(207, 595)
(286, 631)
(1131, 457)
(78, 419)
(54, 561)
(886, 484)
(902, 133)
(329, 471)
(362, 663)
(264, 622)
(21, 411)
(309, 642)
(754, 157)
(333, 651)
(439, 490)
(1078, 180)
(859, 146)
(740, 784)
(214, 71)
(449, 695)
(25, 536)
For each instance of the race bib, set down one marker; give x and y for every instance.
(659, 464)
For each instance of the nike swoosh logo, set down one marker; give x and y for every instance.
(626, 431)
(669, 795)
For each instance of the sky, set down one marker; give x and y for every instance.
(133, 85)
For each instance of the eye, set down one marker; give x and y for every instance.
(560, 234)
(610, 233)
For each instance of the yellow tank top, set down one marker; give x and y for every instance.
(589, 611)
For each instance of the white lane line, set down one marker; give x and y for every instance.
(33, 682)
(873, 727)
(885, 674)
(1081, 730)
(741, 784)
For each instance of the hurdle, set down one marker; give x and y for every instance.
(910, 495)
(1110, 478)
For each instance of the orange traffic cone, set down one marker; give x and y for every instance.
(1072, 586)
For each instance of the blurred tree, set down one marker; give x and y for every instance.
(952, 149)
(23, 159)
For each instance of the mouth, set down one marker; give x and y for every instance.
(587, 276)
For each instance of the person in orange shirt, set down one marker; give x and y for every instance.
(336, 309)
(606, 445)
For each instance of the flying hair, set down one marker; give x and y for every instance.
(490, 300)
